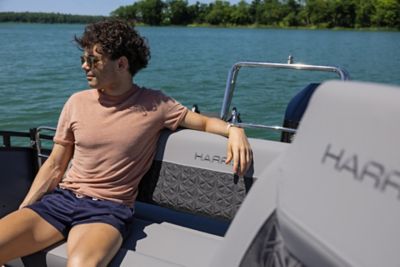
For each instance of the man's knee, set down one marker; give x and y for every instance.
(79, 259)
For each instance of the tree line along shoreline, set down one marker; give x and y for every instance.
(48, 18)
(307, 14)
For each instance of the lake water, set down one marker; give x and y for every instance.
(40, 67)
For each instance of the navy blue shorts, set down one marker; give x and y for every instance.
(64, 209)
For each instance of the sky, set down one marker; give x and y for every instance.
(76, 7)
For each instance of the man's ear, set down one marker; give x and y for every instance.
(123, 63)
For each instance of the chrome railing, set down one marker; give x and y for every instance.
(38, 143)
(231, 83)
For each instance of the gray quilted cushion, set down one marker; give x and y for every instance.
(194, 190)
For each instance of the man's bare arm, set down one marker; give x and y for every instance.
(238, 148)
(49, 174)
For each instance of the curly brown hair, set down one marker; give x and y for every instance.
(116, 39)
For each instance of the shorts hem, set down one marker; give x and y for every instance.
(50, 221)
(123, 235)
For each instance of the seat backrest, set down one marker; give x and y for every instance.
(189, 173)
(336, 195)
(340, 191)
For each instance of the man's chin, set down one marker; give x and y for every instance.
(92, 84)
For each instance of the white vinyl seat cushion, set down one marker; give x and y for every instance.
(154, 244)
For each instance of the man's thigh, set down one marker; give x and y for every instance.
(24, 232)
(93, 244)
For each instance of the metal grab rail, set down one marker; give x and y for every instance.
(38, 144)
(233, 73)
(262, 126)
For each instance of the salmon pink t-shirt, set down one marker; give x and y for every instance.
(114, 139)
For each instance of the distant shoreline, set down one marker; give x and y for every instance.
(255, 26)
(47, 18)
(60, 18)
(372, 29)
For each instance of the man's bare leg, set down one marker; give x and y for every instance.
(92, 244)
(24, 232)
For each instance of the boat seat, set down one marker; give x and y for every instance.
(171, 243)
(192, 176)
(333, 196)
(156, 244)
(187, 198)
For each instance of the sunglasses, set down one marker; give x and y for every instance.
(91, 61)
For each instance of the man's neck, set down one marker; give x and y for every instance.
(118, 89)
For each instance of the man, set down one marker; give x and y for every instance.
(110, 132)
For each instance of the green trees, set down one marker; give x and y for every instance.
(364, 11)
(220, 13)
(127, 12)
(286, 13)
(316, 13)
(151, 11)
(240, 14)
(178, 12)
(38, 17)
(274, 13)
(292, 13)
(387, 13)
(343, 13)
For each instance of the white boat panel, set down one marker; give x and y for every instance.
(336, 189)
(343, 197)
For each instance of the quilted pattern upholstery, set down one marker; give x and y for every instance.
(268, 248)
(194, 190)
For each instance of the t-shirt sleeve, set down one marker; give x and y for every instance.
(175, 113)
(64, 135)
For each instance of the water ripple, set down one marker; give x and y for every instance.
(40, 67)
